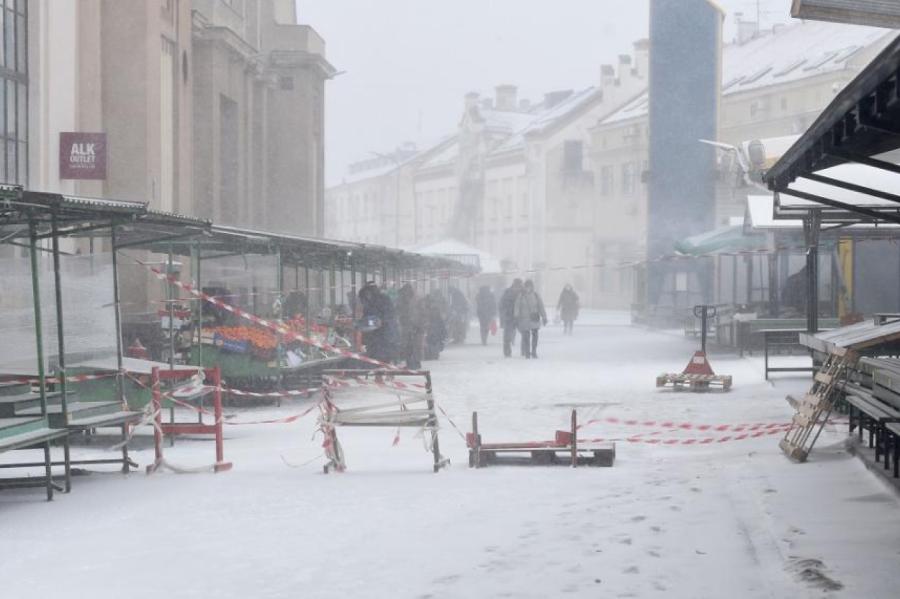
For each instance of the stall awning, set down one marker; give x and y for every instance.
(877, 13)
(722, 240)
(845, 167)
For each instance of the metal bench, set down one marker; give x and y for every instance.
(881, 420)
(31, 433)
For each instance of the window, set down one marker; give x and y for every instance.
(628, 178)
(14, 92)
(606, 180)
(573, 156)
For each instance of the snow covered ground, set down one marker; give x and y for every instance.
(729, 519)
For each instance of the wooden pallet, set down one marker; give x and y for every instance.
(564, 449)
(693, 382)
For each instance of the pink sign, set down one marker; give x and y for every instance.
(82, 155)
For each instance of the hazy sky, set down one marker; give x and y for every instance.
(408, 63)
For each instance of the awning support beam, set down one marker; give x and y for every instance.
(874, 214)
(853, 187)
(864, 160)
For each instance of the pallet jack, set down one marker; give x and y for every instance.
(698, 375)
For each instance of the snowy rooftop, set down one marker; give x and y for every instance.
(516, 125)
(798, 51)
(449, 248)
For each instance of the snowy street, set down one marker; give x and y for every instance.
(733, 519)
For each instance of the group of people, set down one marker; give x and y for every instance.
(410, 331)
(521, 311)
(416, 328)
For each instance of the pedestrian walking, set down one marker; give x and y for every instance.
(568, 307)
(508, 315)
(379, 323)
(486, 307)
(435, 325)
(411, 318)
(458, 319)
(530, 316)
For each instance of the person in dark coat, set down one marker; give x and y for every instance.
(568, 307)
(381, 334)
(411, 317)
(530, 316)
(458, 320)
(435, 325)
(508, 315)
(486, 307)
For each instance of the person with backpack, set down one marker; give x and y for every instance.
(530, 316)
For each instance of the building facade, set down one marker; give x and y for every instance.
(767, 92)
(514, 181)
(211, 108)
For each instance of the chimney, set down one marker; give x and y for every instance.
(746, 30)
(607, 75)
(641, 58)
(506, 97)
(471, 100)
(551, 99)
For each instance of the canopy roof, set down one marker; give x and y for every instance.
(138, 226)
(842, 167)
(453, 249)
(724, 239)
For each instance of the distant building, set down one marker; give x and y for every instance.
(211, 108)
(513, 181)
(774, 83)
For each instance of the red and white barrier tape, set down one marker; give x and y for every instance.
(384, 384)
(76, 378)
(272, 394)
(690, 426)
(686, 441)
(272, 326)
(200, 410)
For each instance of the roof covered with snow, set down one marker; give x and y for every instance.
(792, 53)
(454, 249)
(515, 126)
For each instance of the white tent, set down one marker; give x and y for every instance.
(462, 252)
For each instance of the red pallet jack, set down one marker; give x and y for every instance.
(698, 375)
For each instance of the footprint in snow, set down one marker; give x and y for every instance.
(638, 518)
(656, 529)
(631, 570)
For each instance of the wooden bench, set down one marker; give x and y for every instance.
(881, 420)
(563, 449)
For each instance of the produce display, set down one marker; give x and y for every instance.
(243, 339)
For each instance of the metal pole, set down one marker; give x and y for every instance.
(61, 360)
(38, 330)
(307, 320)
(198, 303)
(811, 229)
(170, 296)
(704, 310)
(120, 381)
